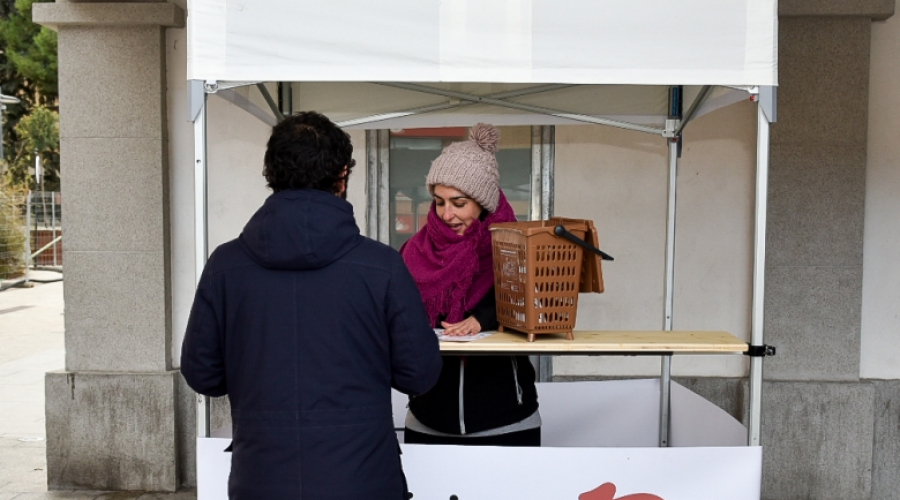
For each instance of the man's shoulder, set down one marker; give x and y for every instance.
(373, 254)
(228, 255)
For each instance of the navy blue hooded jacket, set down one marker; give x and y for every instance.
(306, 325)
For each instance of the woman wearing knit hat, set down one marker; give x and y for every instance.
(483, 400)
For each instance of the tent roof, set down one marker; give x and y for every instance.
(359, 105)
(638, 42)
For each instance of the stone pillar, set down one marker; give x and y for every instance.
(818, 416)
(111, 414)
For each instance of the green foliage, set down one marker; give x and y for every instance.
(28, 67)
(38, 132)
(12, 232)
(30, 48)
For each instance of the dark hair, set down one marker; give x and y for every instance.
(307, 151)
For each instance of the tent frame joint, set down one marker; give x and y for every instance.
(671, 129)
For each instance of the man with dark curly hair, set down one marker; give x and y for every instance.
(307, 151)
(306, 325)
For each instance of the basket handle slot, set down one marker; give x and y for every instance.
(563, 232)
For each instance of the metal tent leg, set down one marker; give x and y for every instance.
(759, 270)
(200, 220)
(665, 379)
(543, 161)
(665, 399)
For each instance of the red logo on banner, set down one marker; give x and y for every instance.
(607, 491)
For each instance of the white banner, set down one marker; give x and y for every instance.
(599, 443)
(490, 473)
(646, 42)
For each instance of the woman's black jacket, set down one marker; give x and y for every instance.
(497, 390)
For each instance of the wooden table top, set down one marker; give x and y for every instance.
(603, 342)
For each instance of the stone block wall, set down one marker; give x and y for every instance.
(111, 414)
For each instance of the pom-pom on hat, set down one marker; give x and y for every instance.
(471, 167)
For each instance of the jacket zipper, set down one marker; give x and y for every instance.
(462, 380)
(515, 365)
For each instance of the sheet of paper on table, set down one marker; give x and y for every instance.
(460, 338)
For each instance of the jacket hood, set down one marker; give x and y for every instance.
(300, 229)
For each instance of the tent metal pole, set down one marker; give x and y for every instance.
(285, 98)
(536, 212)
(542, 165)
(372, 198)
(398, 114)
(378, 208)
(242, 102)
(524, 107)
(665, 380)
(665, 388)
(377, 185)
(695, 106)
(201, 243)
(759, 274)
(447, 105)
(548, 164)
(270, 101)
(536, 174)
(384, 184)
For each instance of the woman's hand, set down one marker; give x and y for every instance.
(468, 326)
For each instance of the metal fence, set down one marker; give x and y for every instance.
(13, 235)
(30, 233)
(46, 228)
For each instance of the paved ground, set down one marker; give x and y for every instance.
(31, 344)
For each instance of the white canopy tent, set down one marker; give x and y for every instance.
(635, 50)
(644, 65)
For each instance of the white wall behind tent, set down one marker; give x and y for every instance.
(237, 142)
(618, 179)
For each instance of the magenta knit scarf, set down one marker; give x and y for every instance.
(453, 271)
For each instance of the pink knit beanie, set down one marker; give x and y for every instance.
(471, 167)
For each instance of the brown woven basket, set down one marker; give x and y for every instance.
(538, 275)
